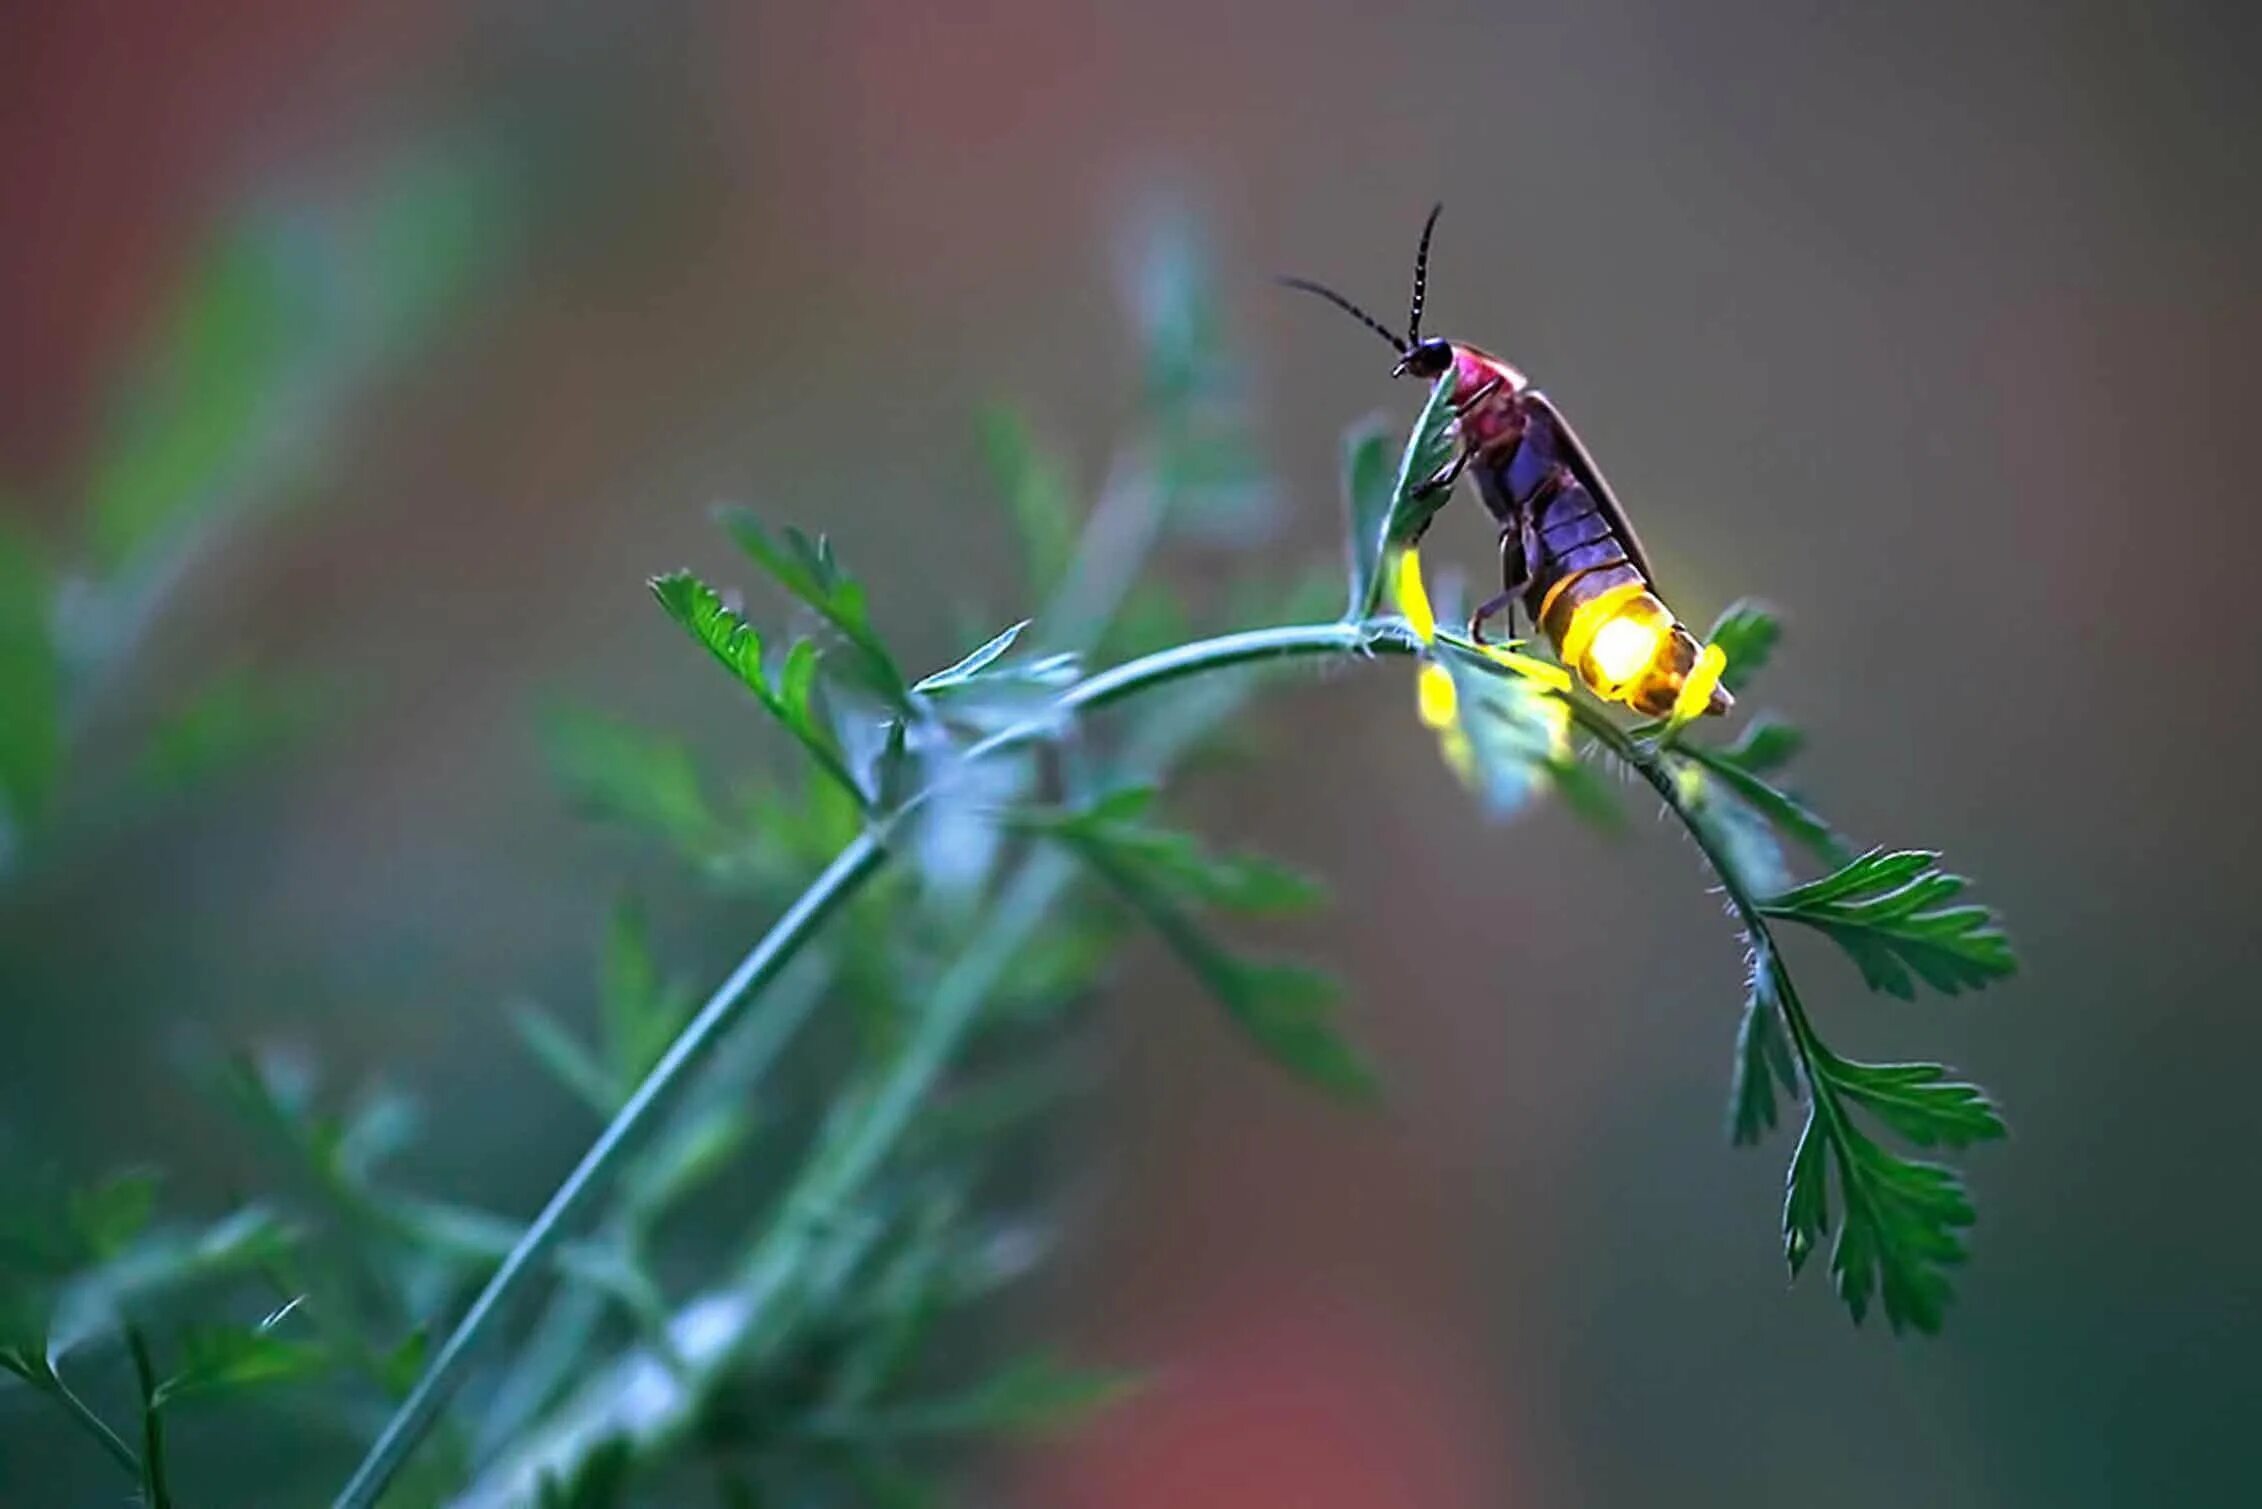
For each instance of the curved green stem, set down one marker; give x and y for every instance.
(848, 873)
(94, 1425)
(1644, 762)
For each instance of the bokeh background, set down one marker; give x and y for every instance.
(1936, 325)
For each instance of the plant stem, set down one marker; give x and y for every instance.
(1645, 763)
(94, 1424)
(153, 1485)
(849, 871)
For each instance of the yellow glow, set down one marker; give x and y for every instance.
(1460, 755)
(1553, 677)
(1696, 692)
(1413, 597)
(1435, 698)
(1623, 649)
(1591, 616)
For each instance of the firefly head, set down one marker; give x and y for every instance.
(1424, 359)
(1428, 360)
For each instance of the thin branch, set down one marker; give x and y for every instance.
(1644, 762)
(849, 872)
(92, 1423)
(152, 1423)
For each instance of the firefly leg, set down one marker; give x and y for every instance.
(1515, 570)
(1499, 602)
(1464, 405)
(1444, 477)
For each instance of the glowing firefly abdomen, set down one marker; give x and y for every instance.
(1583, 587)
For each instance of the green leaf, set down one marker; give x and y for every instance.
(1874, 871)
(607, 1265)
(49, 1231)
(733, 642)
(220, 1360)
(1886, 911)
(1766, 745)
(1286, 1011)
(642, 1012)
(711, 621)
(1034, 484)
(974, 664)
(1367, 497)
(806, 568)
(1763, 1062)
(687, 1156)
(1517, 736)
(458, 1233)
(1746, 633)
(403, 1363)
(31, 691)
(1177, 862)
(1379, 521)
(617, 772)
(598, 1480)
(1902, 1218)
(1919, 1101)
(160, 1263)
(981, 671)
(107, 1216)
(573, 1066)
(1428, 447)
(1740, 836)
(1791, 817)
(1806, 1196)
(1901, 1231)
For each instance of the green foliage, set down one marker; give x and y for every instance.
(1428, 448)
(788, 696)
(986, 670)
(1746, 633)
(221, 358)
(1033, 482)
(1516, 732)
(614, 771)
(214, 1361)
(806, 569)
(801, 1347)
(1886, 910)
(1036, 1395)
(1167, 880)
(1899, 1219)
(1899, 1231)
(1391, 511)
(1763, 1064)
(31, 689)
(1743, 766)
(1367, 495)
(1918, 1101)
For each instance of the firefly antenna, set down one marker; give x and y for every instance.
(1421, 275)
(1348, 308)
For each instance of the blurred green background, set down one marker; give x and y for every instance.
(420, 334)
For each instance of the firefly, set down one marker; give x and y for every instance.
(1568, 553)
